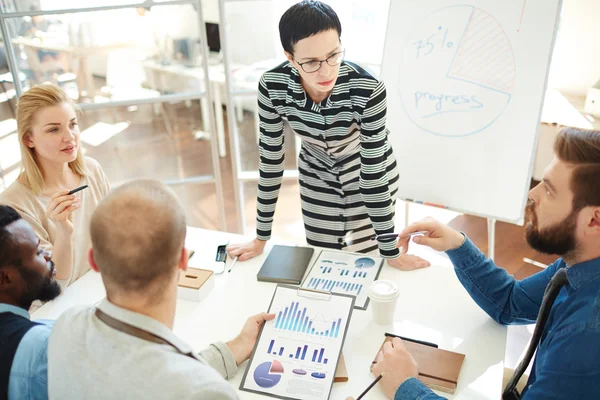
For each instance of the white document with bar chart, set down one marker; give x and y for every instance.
(297, 353)
(344, 273)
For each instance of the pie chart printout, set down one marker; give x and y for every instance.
(268, 374)
(364, 262)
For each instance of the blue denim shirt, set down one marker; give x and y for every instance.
(28, 378)
(567, 362)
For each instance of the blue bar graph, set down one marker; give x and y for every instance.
(323, 284)
(293, 315)
(271, 346)
(301, 320)
(297, 321)
(301, 351)
(289, 314)
(295, 318)
(280, 320)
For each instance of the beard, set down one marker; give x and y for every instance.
(43, 288)
(557, 239)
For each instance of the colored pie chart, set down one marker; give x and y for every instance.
(299, 372)
(364, 262)
(268, 374)
(318, 375)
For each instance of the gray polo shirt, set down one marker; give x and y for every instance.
(87, 359)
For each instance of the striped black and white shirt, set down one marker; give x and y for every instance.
(347, 172)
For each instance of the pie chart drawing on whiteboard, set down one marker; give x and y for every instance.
(457, 72)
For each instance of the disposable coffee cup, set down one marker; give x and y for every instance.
(384, 296)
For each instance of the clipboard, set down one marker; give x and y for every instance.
(272, 373)
(341, 371)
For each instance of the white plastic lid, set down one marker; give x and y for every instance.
(383, 290)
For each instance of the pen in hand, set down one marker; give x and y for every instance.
(232, 264)
(80, 188)
(396, 235)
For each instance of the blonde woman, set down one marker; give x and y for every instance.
(53, 164)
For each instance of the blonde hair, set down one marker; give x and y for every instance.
(30, 102)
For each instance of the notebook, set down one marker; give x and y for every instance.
(285, 264)
(438, 369)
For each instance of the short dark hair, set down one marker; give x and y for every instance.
(305, 19)
(8, 215)
(581, 148)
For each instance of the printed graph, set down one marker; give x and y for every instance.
(306, 352)
(268, 374)
(343, 272)
(295, 318)
(336, 286)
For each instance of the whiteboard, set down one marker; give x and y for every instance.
(465, 85)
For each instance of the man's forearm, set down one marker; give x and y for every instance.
(220, 357)
(506, 300)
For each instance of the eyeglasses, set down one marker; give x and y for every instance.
(313, 66)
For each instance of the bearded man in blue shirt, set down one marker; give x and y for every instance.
(563, 218)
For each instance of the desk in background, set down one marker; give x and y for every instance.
(178, 78)
(85, 80)
(432, 306)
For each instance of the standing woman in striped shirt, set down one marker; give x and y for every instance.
(347, 171)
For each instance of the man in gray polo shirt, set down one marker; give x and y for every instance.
(125, 348)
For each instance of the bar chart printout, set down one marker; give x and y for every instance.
(294, 318)
(302, 344)
(345, 273)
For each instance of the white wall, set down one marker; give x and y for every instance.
(576, 60)
(253, 34)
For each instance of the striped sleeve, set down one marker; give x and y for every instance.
(271, 152)
(374, 185)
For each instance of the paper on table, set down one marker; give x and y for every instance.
(345, 273)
